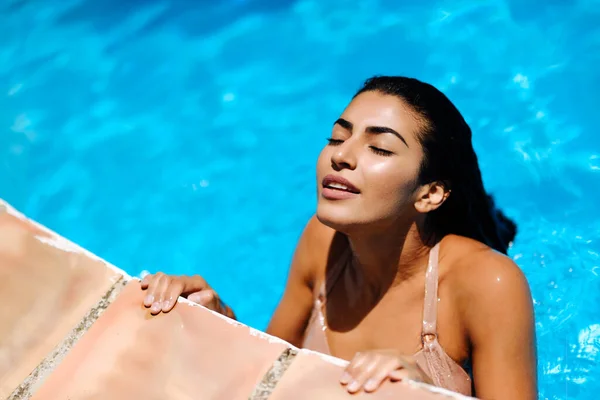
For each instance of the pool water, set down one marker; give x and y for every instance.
(182, 136)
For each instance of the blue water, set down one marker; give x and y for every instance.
(182, 136)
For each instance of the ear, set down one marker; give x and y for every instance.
(431, 196)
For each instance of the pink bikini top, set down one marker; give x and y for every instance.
(432, 358)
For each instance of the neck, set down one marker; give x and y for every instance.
(387, 257)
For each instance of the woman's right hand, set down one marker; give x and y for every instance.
(163, 290)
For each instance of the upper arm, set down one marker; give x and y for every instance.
(293, 312)
(500, 324)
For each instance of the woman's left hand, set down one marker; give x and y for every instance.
(368, 370)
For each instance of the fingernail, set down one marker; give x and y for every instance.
(155, 307)
(345, 378)
(370, 385)
(166, 304)
(149, 299)
(353, 387)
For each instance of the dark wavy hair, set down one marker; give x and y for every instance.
(449, 158)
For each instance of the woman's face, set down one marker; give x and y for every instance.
(368, 172)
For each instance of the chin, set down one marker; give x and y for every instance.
(339, 217)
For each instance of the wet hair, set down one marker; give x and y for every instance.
(449, 158)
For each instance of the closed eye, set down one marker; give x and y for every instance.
(334, 142)
(380, 152)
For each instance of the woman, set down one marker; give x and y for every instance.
(403, 269)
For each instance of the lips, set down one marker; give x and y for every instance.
(337, 183)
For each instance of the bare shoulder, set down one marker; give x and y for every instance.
(488, 282)
(478, 268)
(496, 310)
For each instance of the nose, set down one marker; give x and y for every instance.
(344, 156)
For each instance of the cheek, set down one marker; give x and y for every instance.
(391, 181)
(323, 162)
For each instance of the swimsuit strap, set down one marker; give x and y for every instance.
(431, 293)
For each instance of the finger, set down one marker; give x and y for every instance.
(195, 297)
(400, 375)
(205, 298)
(198, 283)
(152, 285)
(414, 374)
(407, 367)
(353, 368)
(159, 293)
(381, 373)
(365, 372)
(173, 292)
(146, 281)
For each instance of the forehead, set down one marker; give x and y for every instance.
(378, 109)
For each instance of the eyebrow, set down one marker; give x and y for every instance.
(371, 129)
